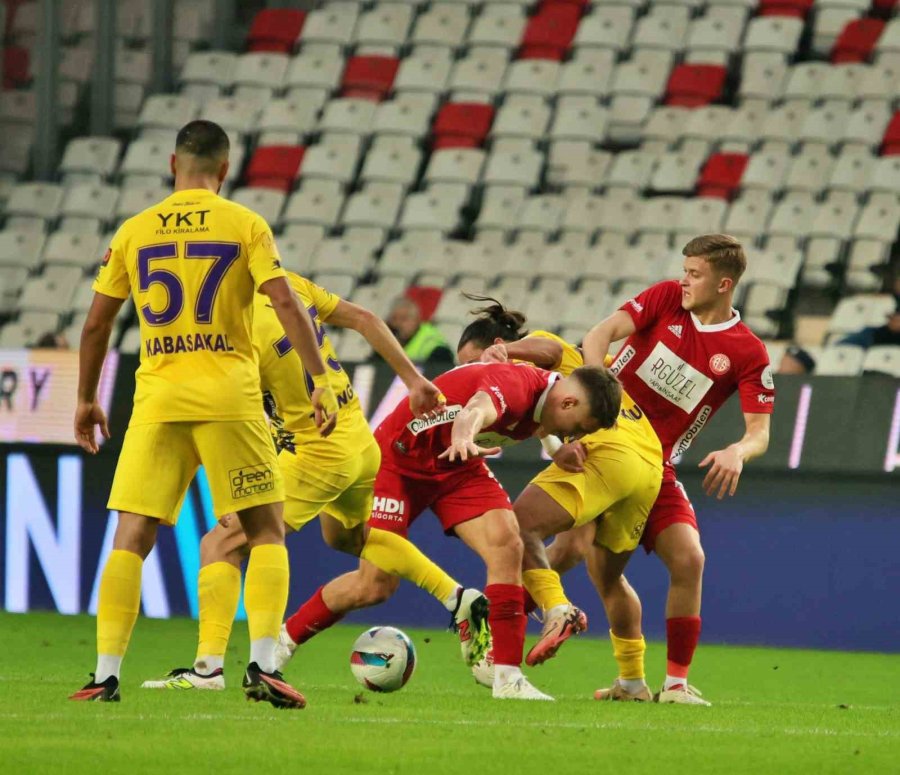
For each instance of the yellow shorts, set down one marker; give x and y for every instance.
(316, 479)
(159, 460)
(617, 485)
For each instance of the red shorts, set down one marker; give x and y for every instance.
(455, 496)
(672, 506)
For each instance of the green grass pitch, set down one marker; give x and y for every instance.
(775, 711)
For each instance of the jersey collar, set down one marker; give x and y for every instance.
(539, 406)
(713, 327)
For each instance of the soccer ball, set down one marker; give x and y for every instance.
(383, 659)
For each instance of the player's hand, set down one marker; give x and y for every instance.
(326, 408)
(465, 450)
(570, 457)
(426, 399)
(87, 416)
(727, 465)
(496, 353)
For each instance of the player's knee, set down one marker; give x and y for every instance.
(687, 566)
(346, 541)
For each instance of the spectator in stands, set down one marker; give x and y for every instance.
(51, 341)
(873, 336)
(796, 360)
(422, 341)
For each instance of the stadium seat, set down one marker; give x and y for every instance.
(275, 166)
(692, 85)
(407, 115)
(455, 165)
(333, 23)
(748, 215)
(576, 165)
(146, 161)
(339, 255)
(541, 213)
(664, 27)
(514, 168)
(206, 74)
(499, 26)
(857, 40)
(550, 32)
(579, 119)
(41, 201)
(853, 313)
(700, 215)
(167, 112)
(676, 173)
(312, 205)
(297, 244)
(333, 159)
(286, 121)
(721, 175)
(713, 35)
(879, 219)
(267, 202)
(275, 29)
(841, 360)
(479, 73)
(890, 143)
(865, 127)
(886, 175)
(21, 249)
(632, 169)
(442, 25)
(773, 33)
(499, 208)
(532, 76)
(392, 159)
(588, 75)
(91, 154)
(462, 125)
(426, 71)
(258, 76)
(233, 114)
(351, 116)
(809, 170)
(28, 329)
(88, 204)
(369, 77)
(50, 293)
(883, 359)
(314, 69)
(795, 8)
(377, 206)
(522, 116)
(383, 26)
(763, 76)
(607, 27)
(851, 172)
(73, 249)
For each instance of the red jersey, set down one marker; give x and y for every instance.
(517, 390)
(680, 371)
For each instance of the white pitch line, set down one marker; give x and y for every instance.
(664, 726)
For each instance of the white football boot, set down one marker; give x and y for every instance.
(483, 669)
(519, 689)
(681, 694)
(188, 678)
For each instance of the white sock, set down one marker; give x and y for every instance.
(674, 680)
(208, 664)
(450, 602)
(504, 674)
(632, 685)
(262, 652)
(557, 610)
(107, 665)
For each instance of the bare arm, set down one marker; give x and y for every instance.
(424, 396)
(543, 353)
(300, 333)
(475, 415)
(596, 342)
(91, 354)
(728, 463)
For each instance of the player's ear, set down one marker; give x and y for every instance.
(223, 171)
(172, 165)
(725, 284)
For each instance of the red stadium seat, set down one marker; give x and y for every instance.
(694, 85)
(721, 175)
(796, 8)
(462, 124)
(16, 67)
(549, 33)
(884, 7)
(369, 77)
(275, 166)
(890, 144)
(857, 40)
(577, 3)
(275, 29)
(426, 297)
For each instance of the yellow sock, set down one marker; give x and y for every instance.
(395, 555)
(545, 588)
(266, 591)
(218, 590)
(630, 656)
(117, 609)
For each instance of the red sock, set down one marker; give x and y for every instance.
(682, 637)
(530, 605)
(311, 618)
(506, 618)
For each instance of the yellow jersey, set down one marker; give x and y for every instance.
(633, 427)
(193, 264)
(283, 376)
